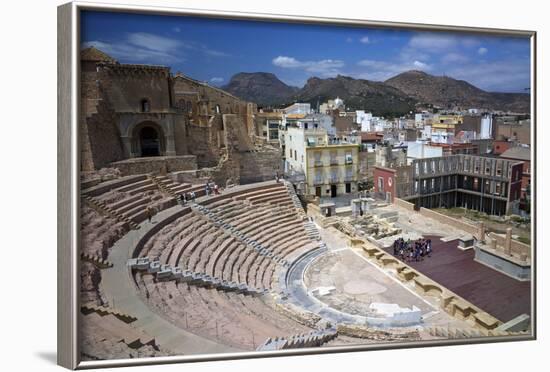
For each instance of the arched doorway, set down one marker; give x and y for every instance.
(149, 141)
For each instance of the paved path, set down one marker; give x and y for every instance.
(119, 289)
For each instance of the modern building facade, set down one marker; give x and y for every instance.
(488, 184)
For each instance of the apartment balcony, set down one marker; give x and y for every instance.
(317, 163)
(334, 180)
(334, 162)
(349, 179)
(318, 181)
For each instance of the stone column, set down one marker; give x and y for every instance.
(494, 244)
(355, 205)
(481, 232)
(127, 143)
(508, 242)
(170, 146)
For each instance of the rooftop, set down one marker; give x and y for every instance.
(517, 153)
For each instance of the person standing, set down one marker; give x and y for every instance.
(149, 213)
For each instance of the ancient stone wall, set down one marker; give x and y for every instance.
(100, 139)
(259, 166)
(156, 165)
(202, 143)
(404, 204)
(516, 247)
(181, 135)
(131, 84)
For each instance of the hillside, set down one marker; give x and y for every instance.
(447, 92)
(396, 96)
(263, 88)
(358, 94)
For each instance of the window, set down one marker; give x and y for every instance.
(487, 167)
(349, 158)
(295, 155)
(145, 105)
(334, 175)
(380, 184)
(476, 183)
(349, 174)
(180, 105)
(317, 159)
(333, 159)
(318, 176)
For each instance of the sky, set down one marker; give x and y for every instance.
(213, 50)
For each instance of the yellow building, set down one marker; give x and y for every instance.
(446, 123)
(330, 166)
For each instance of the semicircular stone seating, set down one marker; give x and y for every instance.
(109, 209)
(201, 243)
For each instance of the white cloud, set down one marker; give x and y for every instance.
(154, 42)
(349, 40)
(176, 29)
(217, 80)
(133, 54)
(324, 67)
(481, 51)
(419, 64)
(365, 40)
(437, 42)
(453, 57)
(142, 47)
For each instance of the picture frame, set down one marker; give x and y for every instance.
(69, 184)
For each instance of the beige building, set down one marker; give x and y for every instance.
(330, 166)
(267, 125)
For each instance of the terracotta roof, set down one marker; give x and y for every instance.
(371, 136)
(95, 55)
(517, 153)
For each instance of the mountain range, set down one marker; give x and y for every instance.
(393, 97)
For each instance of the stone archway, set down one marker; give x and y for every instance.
(148, 140)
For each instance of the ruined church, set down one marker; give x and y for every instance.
(146, 119)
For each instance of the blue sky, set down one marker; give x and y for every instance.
(213, 50)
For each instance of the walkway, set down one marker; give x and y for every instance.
(118, 287)
(496, 293)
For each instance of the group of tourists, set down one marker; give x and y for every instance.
(211, 188)
(184, 197)
(412, 250)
